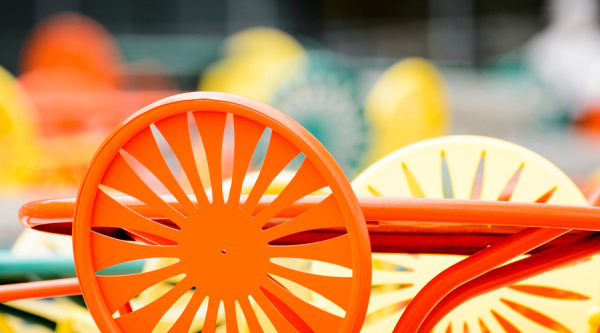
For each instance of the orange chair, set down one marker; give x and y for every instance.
(132, 206)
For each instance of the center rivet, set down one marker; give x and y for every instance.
(223, 251)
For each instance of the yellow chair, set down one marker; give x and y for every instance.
(256, 63)
(470, 167)
(406, 105)
(18, 147)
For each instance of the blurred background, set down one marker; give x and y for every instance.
(365, 77)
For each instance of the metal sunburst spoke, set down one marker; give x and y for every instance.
(325, 214)
(279, 154)
(120, 289)
(333, 288)
(145, 319)
(306, 181)
(121, 177)
(143, 147)
(211, 126)
(186, 318)
(114, 251)
(176, 132)
(109, 213)
(326, 251)
(317, 319)
(247, 133)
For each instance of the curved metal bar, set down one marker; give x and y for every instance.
(512, 273)
(469, 268)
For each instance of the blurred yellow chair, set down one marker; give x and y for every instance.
(18, 148)
(29, 161)
(407, 104)
(256, 63)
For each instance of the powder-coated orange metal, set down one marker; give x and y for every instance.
(226, 242)
(511, 273)
(221, 246)
(39, 289)
(424, 225)
(38, 214)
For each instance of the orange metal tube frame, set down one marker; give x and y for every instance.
(42, 214)
(542, 223)
(39, 289)
(512, 273)
(468, 269)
